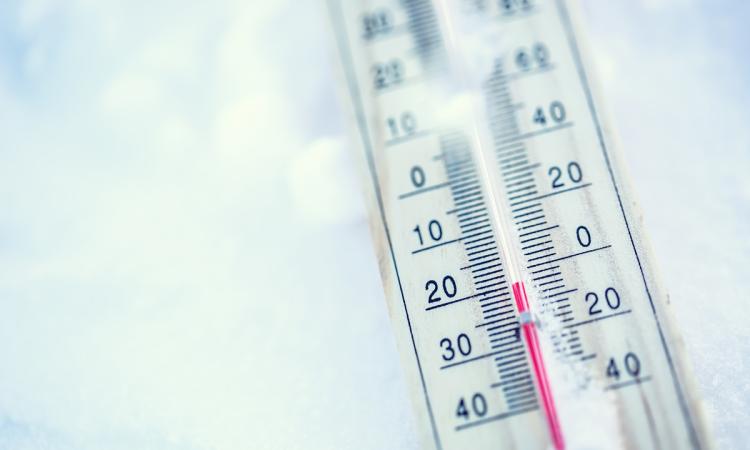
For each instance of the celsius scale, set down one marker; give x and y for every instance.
(521, 290)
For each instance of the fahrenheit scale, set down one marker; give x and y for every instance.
(521, 290)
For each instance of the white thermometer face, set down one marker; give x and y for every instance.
(488, 168)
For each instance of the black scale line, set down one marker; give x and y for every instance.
(520, 183)
(530, 219)
(517, 155)
(517, 388)
(525, 208)
(495, 279)
(425, 32)
(463, 178)
(462, 175)
(538, 244)
(520, 395)
(509, 152)
(483, 258)
(533, 225)
(524, 390)
(471, 236)
(525, 174)
(480, 251)
(467, 194)
(467, 211)
(523, 163)
(475, 246)
(476, 222)
(512, 381)
(518, 161)
(480, 227)
(458, 182)
(507, 135)
(465, 188)
(498, 311)
(466, 221)
(521, 189)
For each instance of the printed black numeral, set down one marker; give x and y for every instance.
(376, 23)
(477, 407)
(556, 113)
(463, 344)
(434, 230)
(433, 288)
(574, 175)
(611, 297)
(631, 363)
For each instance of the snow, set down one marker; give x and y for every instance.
(167, 282)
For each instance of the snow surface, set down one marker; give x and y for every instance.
(169, 279)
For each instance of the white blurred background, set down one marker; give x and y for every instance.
(184, 257)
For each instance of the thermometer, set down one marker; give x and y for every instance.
(521, 289)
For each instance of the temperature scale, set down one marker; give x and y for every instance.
(522, 292)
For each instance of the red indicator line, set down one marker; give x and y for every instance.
(535, 352)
